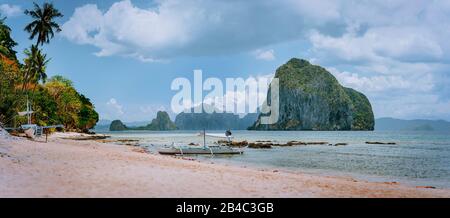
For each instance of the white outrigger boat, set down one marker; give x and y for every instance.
(32, 130)
(196, 149)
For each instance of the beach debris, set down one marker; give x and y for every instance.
(391, 183)
(239, 144)
(316, 143)
(233, 143)
(275, 171)
(4, 154)
(427, 186)
(265, 144)
(87, 137)
(340, 144)
(381, 143)
(127, 142)
(292, 143)
(260, 145)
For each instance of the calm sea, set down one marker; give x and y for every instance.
(418, 158)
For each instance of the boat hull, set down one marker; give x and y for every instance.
(30, 133)
(200, 150)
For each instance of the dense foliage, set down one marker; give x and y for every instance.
(55, 101)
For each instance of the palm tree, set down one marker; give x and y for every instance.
(35, 65)
(40, 66)
(43, 25)
(6, 42)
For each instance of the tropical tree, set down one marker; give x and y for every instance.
(10, 74)
(74, 110)
(40, 65)
(6, 42)
(43, 25)
(35, 65)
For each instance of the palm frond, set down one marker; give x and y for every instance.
(43, 25)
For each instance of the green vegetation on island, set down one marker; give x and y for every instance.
(162, 122)
(54, 100)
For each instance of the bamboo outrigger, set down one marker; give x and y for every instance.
(205, 149)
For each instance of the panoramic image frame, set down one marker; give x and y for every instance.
(207, 102)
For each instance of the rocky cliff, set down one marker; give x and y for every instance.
(312, 99)
(162, 122)
(117, 125)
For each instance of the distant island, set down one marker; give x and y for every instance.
(185, 121)
(393, 124)
(213, 121)
(162, 122)
(311, 98)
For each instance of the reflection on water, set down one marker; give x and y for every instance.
(420, 158)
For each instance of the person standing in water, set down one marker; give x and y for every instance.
(228, 134)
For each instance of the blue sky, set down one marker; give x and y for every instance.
(125, 54)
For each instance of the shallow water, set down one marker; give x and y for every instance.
(418, 158)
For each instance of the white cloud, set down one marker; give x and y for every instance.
(385, 83)
(373, 30)
(401, 43)
(397, 53)
(411, 106)
(243, 98)
(189, 27)
(151, 109)
(267, 55)
(10, 10)
(395, 95)
(115, 107)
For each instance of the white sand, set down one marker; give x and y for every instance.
(65, 168)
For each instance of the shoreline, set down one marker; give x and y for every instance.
(69, 168)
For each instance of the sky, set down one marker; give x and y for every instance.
(125, 54)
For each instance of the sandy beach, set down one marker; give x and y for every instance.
(69, 168)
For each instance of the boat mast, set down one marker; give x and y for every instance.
(204, 138)
(28, 111)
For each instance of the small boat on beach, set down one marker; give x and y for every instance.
(211, 150)
(205, 149)
(32, 130)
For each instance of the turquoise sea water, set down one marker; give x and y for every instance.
(418, 158)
